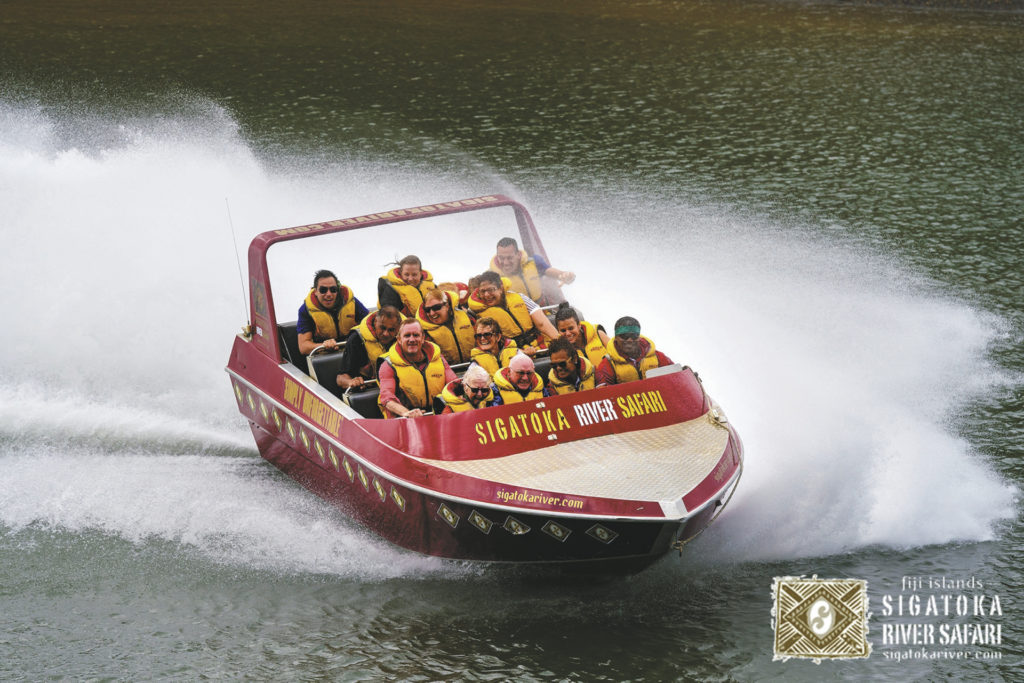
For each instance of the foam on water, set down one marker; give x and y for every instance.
(119, 291)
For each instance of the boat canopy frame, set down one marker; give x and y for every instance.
(262, 313)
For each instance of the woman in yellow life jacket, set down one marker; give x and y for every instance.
(518, 382)
(529, 275)
(586, 337)
(413, 373)
(404, 286)
(570, 370)
(449, 327)
(327, 314)
(520, 318)
(493, 350)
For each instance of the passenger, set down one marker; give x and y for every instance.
(586, 337)
(517, 314)
(570, 369)
(518, 382)
(493, 350)
(529, 275)
(471, 392)
(327, 314)
(449, 327)
(413, 373)
(460, 289)
(366, 346)
(630, 355)
(404, 286)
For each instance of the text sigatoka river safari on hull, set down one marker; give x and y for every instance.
(614, 476)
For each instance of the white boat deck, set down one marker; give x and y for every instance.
(659, 464)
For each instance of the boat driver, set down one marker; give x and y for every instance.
(518, 382)
(328, 313)
(519, 317)
(413, 373)
(630, 355)
(529, 275)
(366, 346)
(571, 371)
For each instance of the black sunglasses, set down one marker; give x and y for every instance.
(433, 309)
(479, 390)
(561, 365)
(629, 336)
(332, 290)
(483, 335)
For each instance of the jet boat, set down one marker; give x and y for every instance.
(614, 477)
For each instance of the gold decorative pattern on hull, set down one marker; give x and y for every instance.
(380, 490)
(277, 419)
(320, 452)
(480, 522)
(556, 530)
(515, 527)
(334, 458)
(447, 515)
(348, 469)
(601, 533)
(238, 392)
(398, 499)
(363, 479)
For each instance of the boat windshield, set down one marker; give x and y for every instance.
(452, 247)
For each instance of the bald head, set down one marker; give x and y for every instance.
(521, 363)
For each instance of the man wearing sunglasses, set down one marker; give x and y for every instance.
(328, 313)
(518, 382)
(630, 355)
(520, 318)
(570, 370)
(471, 392)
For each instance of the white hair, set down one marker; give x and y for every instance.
(475, 372)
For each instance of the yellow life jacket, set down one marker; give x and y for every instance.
(513, 318)
(413, 387)
(593, 348)
(330, 325)
(374, 349)
(585, 370)
(455, 337)
(460, 404)
(492, 363)
(509, 393)
(625, 371)
(412, 297)
(526, 281)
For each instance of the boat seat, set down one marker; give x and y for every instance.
(325, 367)
(364, 401)
(542, 366)
(290, 345)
